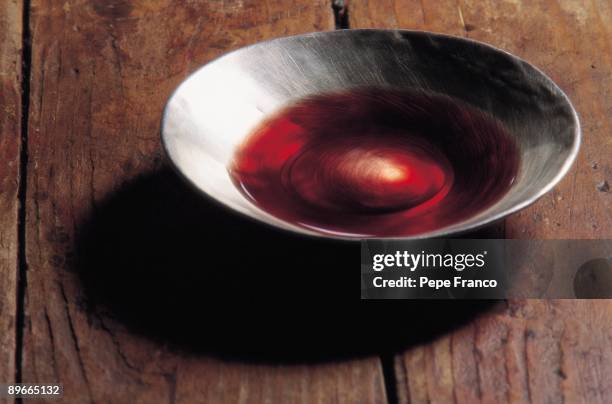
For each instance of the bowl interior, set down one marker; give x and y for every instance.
(211, 113)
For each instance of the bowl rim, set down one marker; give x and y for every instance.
(446, 232)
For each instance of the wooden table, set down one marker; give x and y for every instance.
(83, 84)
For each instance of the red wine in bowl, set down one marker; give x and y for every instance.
(375, 162)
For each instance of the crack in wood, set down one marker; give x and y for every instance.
(22, 266)
(478, 359)
(389, 376)
(75, 340)
(341, 13)
(527, 335)
(52, 342)
(117, 345)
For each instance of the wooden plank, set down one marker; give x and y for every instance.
(10, 143)
(530, 350)
(101, 72)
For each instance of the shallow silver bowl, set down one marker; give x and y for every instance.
(212, 111)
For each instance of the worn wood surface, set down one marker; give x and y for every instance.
(10, 142)
(101, 72)
(527, 351)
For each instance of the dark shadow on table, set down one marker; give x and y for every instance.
(178, 268)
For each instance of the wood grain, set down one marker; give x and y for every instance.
(527, 351)
(10, 143)
(101, 72)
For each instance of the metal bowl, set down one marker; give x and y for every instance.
(211, 112)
